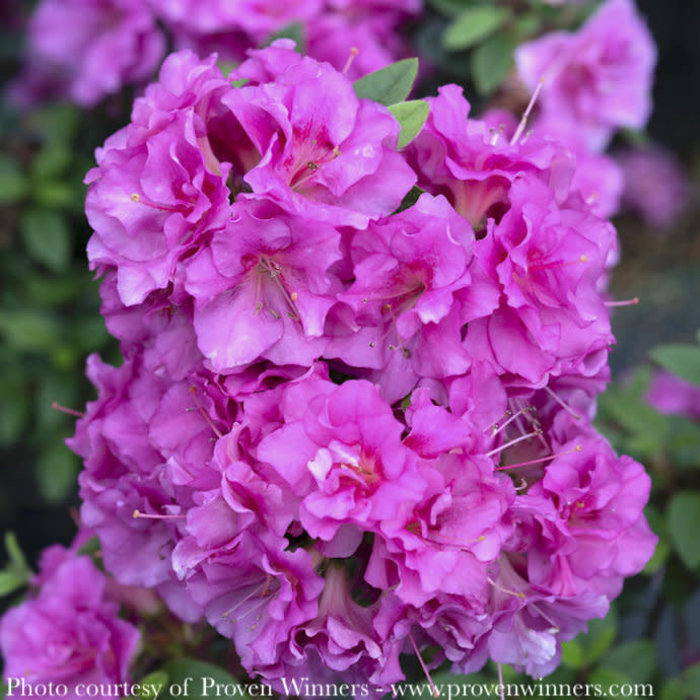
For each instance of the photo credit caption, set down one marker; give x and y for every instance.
(205, 686)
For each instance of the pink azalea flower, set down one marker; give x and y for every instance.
(68, 631)
(89, 49)
(325, 152)
(597, 79)
(473, 163)
(595, 498)
(258, 594)
(263, 287)
(655, 186)
(341, 638)
(411, 274)
(344, 459)
(548, 261)
(530, 624)
(449, 624)
(670, 394)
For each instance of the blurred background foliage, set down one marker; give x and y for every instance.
(49, 323)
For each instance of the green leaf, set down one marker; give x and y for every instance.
(682, 360)
(181, 669)
(491, 63)
(411, 115)
(683, 442)
(605, 677)
(13, 183)
(408, 201)
(636, 660)
(10, 581)
(46, 238)
(157, 678)
(625, 405)
(683, 520)
(56, 194)
(92, 546)
(28, 330)
(673, 690)
(473, 25)
(388, 85)
(226, 67)
(599, 637)
(528, 25)
(572, 655)
(56, 471)
(52, 161)
(14, 552)
(663, 549)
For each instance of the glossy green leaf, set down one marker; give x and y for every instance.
(683, 360)
(411, 116)
(491, 63)
(389, 85)
(472, 26)
(683, 521)
(46, 237)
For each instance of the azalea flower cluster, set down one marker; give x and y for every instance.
(85, 50)
(353, 417)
